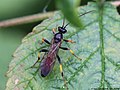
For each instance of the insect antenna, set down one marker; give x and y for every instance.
(78, 16)
(86, 13)
(66, 25)
(63, 22)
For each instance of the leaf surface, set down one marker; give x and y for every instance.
(98, 45)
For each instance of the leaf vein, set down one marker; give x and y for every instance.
(83, 64)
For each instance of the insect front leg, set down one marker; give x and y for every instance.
(54, 30)
(45, 40)
(64, 48)
(43, 50)
(61, 71)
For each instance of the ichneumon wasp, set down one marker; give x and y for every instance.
(47, 62)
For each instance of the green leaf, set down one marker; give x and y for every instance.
(68, 8)
(98, 45)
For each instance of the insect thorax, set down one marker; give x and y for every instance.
(58, 37)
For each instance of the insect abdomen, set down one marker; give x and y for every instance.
(47, 66)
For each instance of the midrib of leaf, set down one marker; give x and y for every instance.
(100, 20)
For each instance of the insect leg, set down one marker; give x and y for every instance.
(43, 50)
(61, 71)
(71, 41)
(64, 48)
(54, 30)
(45, 40)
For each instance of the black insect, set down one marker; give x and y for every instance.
(47, 63)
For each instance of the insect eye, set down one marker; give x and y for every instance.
(62, 30)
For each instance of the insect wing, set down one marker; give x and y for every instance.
(47, 66)
(47, 63)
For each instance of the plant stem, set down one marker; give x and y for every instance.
(34, 18)
(26, 19)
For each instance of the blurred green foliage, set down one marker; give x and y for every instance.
(10, 38)
(70, 12)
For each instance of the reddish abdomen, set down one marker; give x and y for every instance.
(47, 66)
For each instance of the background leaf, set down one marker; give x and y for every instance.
(98, 46)
(71, 11)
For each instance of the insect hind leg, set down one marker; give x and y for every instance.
(61, 71)
(43, 50)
